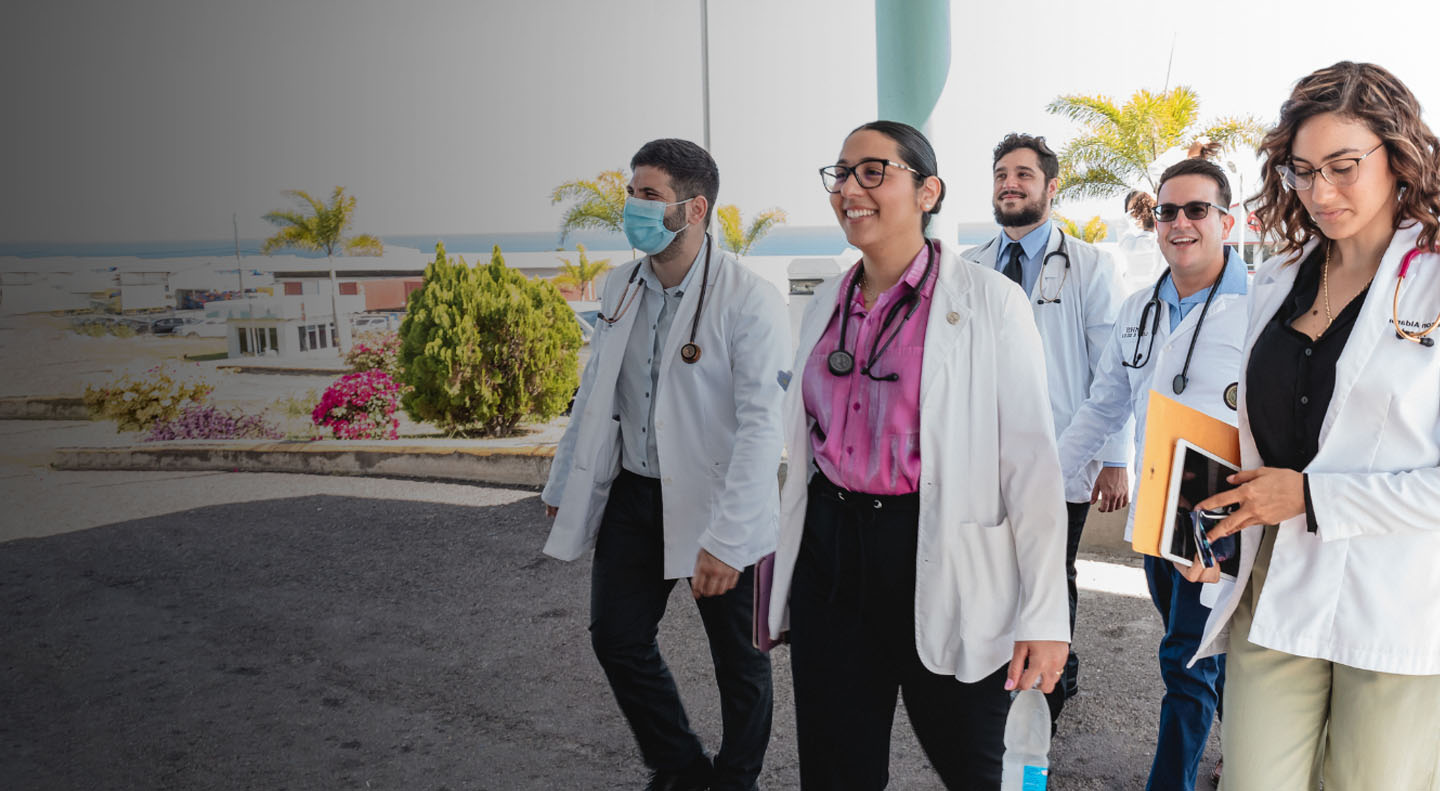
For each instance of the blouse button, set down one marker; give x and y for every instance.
(1308, 351)
(952, 317)
(1304, 399)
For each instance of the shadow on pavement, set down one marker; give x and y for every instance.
(331, 642)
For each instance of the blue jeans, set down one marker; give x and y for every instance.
(1192, 694)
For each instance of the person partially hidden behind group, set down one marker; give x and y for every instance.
(923, 524)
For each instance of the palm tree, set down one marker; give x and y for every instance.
(740, 241)
(321, 229)
(582, 276)
(597, 204)
(1120, 141)
(1094, 231)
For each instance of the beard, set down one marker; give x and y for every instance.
(674, 220)
(1027, 214)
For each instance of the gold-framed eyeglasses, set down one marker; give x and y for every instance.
(869, 173)
(1340, 172)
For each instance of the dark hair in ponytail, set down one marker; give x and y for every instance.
(917, 153)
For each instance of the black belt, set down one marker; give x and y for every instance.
(825, 487)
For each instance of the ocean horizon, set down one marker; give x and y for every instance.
(801, 240)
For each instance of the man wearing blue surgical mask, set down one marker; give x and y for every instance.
(667, 468)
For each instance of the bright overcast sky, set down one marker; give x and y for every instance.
(157, 120)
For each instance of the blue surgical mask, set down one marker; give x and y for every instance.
(645, 224)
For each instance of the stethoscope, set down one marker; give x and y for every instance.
(1181, 379)
(1044, 262)
(1422, 337)
(690, 352)
(841, 362)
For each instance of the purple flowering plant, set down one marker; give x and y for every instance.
(203, 421)
(360, 406)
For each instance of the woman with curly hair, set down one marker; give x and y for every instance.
(1138, 243)
(1333, 626)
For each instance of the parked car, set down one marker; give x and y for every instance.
(370, 323)
(167, 325)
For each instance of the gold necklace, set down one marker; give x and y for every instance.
(1325, 286)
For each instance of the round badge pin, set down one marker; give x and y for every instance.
(1232, 396)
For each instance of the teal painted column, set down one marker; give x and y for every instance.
(912, 57)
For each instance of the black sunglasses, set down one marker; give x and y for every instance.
(1194, 210)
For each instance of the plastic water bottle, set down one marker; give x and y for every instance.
(1027, 743)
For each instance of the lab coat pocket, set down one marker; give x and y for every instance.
(986, 570)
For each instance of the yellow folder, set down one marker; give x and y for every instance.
(1167, 420)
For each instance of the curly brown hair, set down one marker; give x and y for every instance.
(1141, 207)
(1374, 97)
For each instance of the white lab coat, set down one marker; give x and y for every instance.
(1074, 332)
(1363, 591)
(990, 565)
(1143, 261)
(1121, 392)
(717, 425)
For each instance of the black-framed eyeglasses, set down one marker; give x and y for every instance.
(869, 173)
(1340, 172)
(1194, 210)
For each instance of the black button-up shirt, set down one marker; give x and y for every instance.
(1290, 377)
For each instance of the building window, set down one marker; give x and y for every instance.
(243, 335)
(275, 338)
(303, 346)
(334, 336)
(294, 288)
(349, 289)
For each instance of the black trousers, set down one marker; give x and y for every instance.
(1070, 680)
(628, 594)
(852, 647)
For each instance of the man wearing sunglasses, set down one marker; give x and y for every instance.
(1182, 337)
(1073, 291)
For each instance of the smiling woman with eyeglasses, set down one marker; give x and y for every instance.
(922, 525)
(1333, 626)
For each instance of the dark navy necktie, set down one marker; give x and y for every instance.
(1012, 267)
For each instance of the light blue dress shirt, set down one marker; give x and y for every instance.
(1032, 248)
(640, 367)
(1233, 282)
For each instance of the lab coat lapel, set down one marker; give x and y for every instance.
(949, 320)
(1371, 326)
(618, 336)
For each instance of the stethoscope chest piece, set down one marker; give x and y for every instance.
(1178, 384)
(690, 353)
(840, 362)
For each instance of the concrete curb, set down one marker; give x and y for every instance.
(506, 466)
(43, 408)
(279, 370)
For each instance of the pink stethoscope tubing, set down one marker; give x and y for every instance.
(1400, 332)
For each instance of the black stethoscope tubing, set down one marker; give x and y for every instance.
(690, 352)
(1060, 251)
(841, 362)
(1181, 379)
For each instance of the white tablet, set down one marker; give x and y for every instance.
(1196, 474)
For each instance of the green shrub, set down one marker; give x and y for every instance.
(485, 348)
(136, 401)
